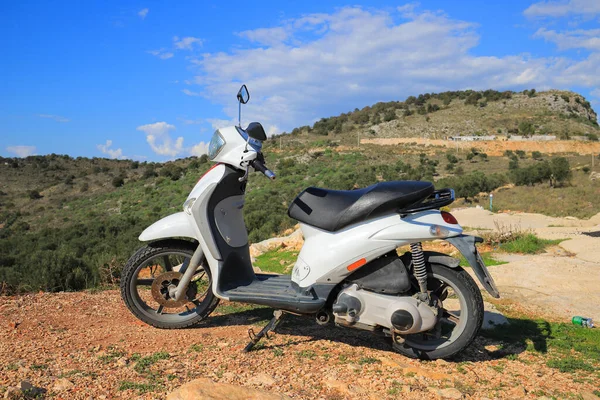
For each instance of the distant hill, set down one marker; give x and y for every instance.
(439, 115)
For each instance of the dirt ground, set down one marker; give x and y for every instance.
(88, 346)
(560, 283)
(91, 340)
(498, 147)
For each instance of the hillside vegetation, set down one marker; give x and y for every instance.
(70, 224)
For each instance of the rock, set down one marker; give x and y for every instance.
(336, 385)
(30, 390)
(62, 385)
(588, 396)
(13, 393)
(122, 362)
(594, 176)
(447, 393)
(517, 392)
(293, 241)
(262, 379)
(353, 367)
(205, 389)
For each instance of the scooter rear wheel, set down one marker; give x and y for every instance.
(150, 272)
(461, 318)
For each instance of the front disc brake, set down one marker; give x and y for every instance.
(160, 289)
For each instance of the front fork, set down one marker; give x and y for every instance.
(177, 292)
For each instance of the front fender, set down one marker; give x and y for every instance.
(175, 225)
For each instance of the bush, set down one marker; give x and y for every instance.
(149, 172)
(389, 115)
(565, 98)
(536, 155)
(526, 128)
(521, 154)
(118, 181)
(34, 195)
(452, 159)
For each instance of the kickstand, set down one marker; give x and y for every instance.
(254, 339)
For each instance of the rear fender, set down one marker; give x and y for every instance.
(466, 245)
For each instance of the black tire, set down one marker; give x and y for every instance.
(463, 283)
(133, 301)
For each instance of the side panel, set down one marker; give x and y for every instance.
(325, 256)
(175, 225)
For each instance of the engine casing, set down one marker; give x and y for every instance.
(367, 310)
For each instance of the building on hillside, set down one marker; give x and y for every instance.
(470, 138)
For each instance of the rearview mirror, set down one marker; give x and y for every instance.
(243, 95)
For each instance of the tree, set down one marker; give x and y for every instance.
(389, 115)
(560, 169)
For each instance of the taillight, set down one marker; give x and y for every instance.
(449, 218)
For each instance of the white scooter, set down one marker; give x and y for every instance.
(348, 271)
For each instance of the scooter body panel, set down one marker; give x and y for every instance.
(329, 257)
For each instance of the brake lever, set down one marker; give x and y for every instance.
(245, 177)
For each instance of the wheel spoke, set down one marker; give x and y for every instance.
(144, 282)
(159, 310)
(168, 266)
(450, 317)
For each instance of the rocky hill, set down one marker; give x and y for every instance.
(439, 115)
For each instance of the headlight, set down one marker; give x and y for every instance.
(216, 144)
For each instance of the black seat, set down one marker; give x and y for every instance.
(333, 210)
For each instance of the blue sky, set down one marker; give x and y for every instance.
(152, 80)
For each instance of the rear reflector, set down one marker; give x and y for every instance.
(449, 218)
(357, 264)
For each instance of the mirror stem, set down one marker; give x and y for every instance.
(240, 114)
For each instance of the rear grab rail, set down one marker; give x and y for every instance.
(435, 200)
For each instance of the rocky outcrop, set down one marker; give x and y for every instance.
(292, 241)
(205, 389)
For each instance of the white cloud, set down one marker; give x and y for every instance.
(161, 53)
(563, 8)
(186, 43)
(56, 118)
(143, 12)
(157, 136)
(22, 151)
(112, 153)
(199, 149)
(190, 93)
(267, 36)
(221, 123)
(574, 39)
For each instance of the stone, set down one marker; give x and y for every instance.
(447, 393)
(334, 384)
(206, 389)
(262, 379)
(13, 393)
(122, 362)
(62, 384)
(30, 390)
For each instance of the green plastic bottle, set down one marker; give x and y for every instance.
(582, 321)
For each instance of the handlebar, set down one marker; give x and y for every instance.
(260, 166)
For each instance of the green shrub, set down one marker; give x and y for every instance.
(118, 181)
(34, 195)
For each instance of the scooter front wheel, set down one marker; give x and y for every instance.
(152, 271)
